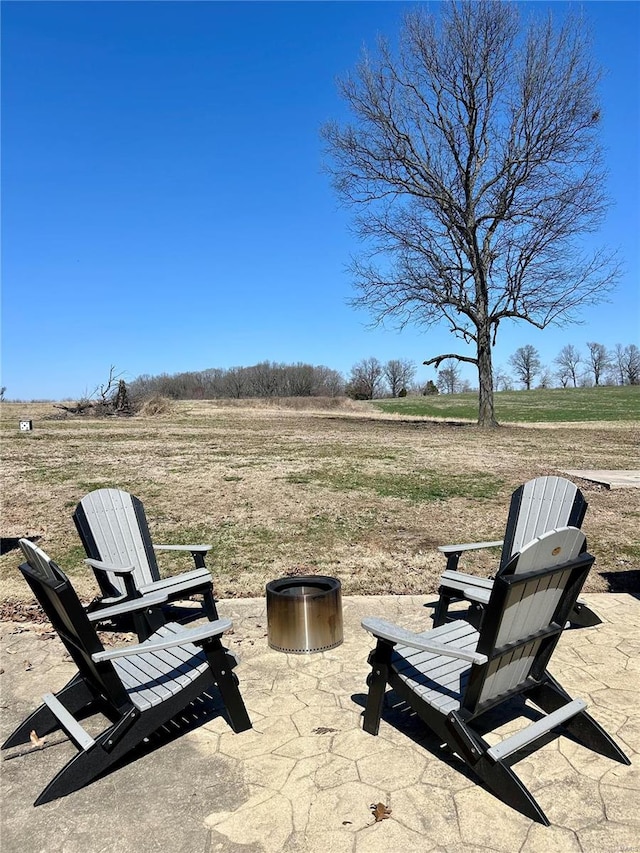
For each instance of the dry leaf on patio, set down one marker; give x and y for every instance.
(323, 730)
(28, 666)
(35, 740)
(380, 811)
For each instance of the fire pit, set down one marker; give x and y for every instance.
(304, 614)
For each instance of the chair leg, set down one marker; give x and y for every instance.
(505, 785)
(147, 622)
(74, 696)
(221, 664)
(442, 609)
(497, 776)
(590, 733)
(377, 681)
(88, 764)
(82, 769)
(209, 605)
(551, 696)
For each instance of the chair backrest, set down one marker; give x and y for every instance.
(60, 602)
(113, 528)
(539, 505)
(526, 614)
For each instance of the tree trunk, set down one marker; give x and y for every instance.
(486, 414)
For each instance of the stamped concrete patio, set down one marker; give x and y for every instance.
(303, 780)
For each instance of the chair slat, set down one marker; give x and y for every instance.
(546, 504)
(116, 530)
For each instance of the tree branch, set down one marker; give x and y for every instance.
(440, 358)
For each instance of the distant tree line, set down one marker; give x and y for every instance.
(372, 379)
(266, 379)
(572, 368)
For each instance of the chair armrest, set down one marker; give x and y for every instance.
(108, 567)
(395, 634)
(129, 606)
(469, 546)
(196, 636)
(194, 549)
(197, 552)
(461, 579)
(476, 594)
(182, 582)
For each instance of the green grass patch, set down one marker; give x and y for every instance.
(415, 486)
(535, 406)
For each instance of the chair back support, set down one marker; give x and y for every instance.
(40, 563)
(539, 505)
(60, 602)
(113, 528)
(529, 605)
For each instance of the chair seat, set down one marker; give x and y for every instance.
(438, 680)
(152, 677)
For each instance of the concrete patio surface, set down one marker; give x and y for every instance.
(611, 479)
(303, 780)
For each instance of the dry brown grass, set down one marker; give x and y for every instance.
(333, 488)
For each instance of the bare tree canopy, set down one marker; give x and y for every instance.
(526, 364)
(399, 373)
(448, 381)
(599, 359)
(627, 364)
(474, 166)
(568, 360)
(366, 378)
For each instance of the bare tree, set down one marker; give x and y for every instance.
(525, 362)
(568, 360)
(399, 374)
(627, 362)
(474, 167)
(546, 378)
(599, 360)
(365, 379)
(502, 380)
(633, 364)
(448, 380)
(328, 382)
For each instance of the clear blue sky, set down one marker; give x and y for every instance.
(164, 207)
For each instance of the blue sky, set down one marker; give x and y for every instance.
(164, 207)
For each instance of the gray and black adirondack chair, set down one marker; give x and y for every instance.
(113, 528)
(542, 504)
(452, 675)
(138, 687)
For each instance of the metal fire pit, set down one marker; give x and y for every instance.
(304, 614)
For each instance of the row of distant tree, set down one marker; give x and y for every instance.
(267, 379)
(572, 367)
(370, 378)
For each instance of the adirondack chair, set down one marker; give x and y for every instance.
(453, 674)
(539, 505)
(138, 687)
(113, 528)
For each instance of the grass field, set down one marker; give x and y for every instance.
(333, 487)
(554, 405)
